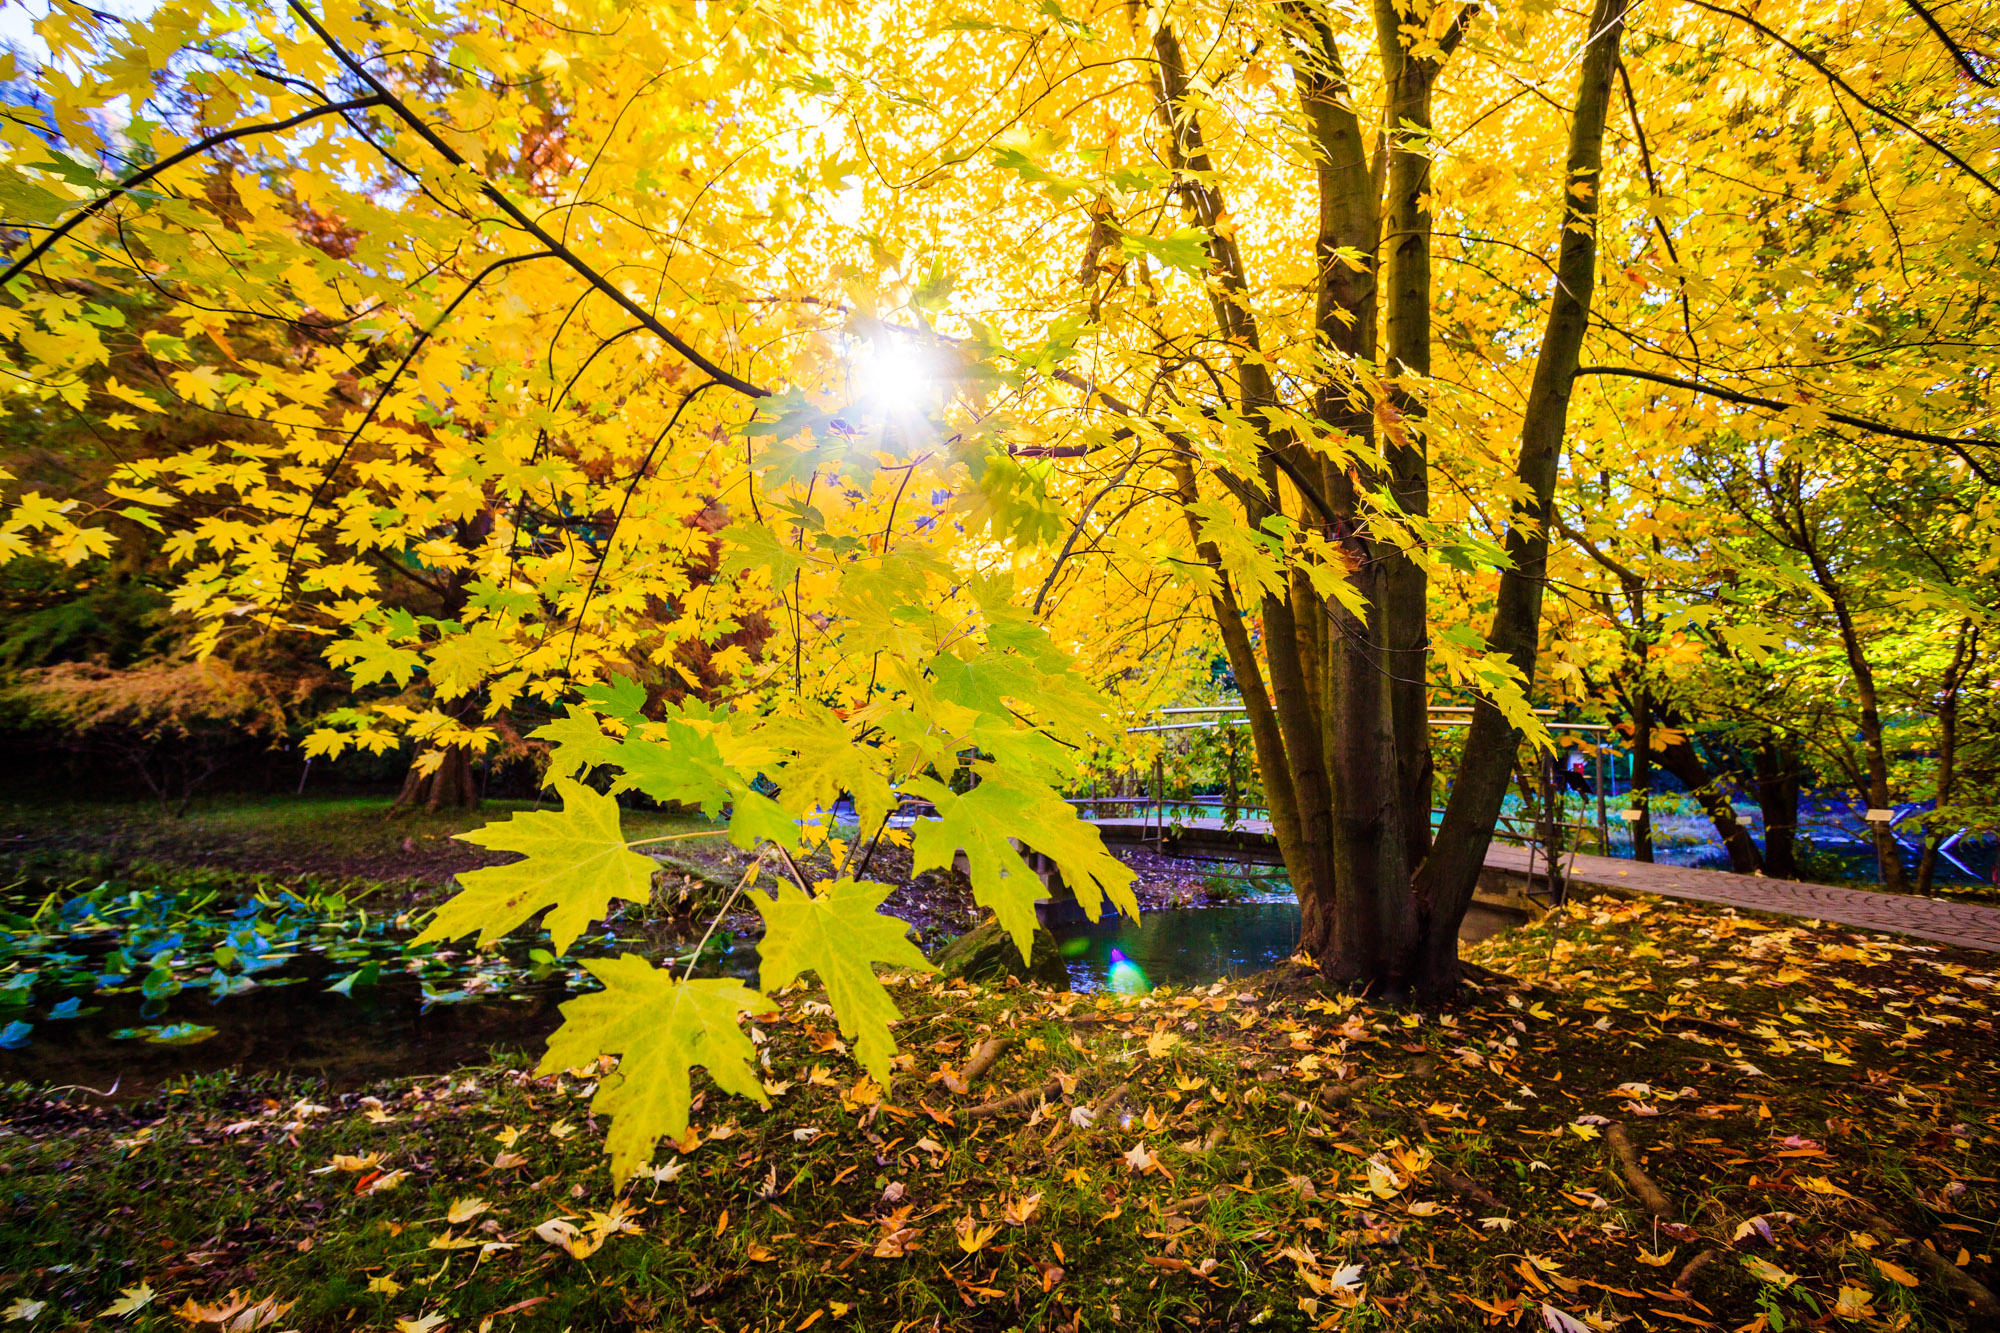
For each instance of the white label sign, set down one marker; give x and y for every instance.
(1880, 816)
(1631, 816)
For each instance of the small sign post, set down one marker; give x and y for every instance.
(1881, 819)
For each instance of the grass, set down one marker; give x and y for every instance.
(1808, 1107)
(334, 837)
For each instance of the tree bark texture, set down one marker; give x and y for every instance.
(1446, 880)
(1335, 689)
(451, 785)
(1780, 778)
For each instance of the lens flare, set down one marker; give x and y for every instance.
(1127, 978)
(897, 378)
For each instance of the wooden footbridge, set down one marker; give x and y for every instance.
(1517, 877)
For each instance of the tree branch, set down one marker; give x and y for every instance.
(138, 178)
(1848, 88)
(520, 219)
(1958, 52)
(1953, 443)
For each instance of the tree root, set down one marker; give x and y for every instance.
(1304, 1107)
(983, 1059)
(1107, 1103)
(1019, 1101)
(1484, 977)
(1466, 1188)
(1684, 1281)
(1942, 1271)
(1642, 1184)
(1335, 1093)
(1194, 1202)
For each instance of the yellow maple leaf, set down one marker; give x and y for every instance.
(663, 1026)
(464, 1210)
(576, 863)
(1901, 1276)
(841, 934)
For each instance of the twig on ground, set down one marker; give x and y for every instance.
(1106, 1104)
(1684, 1281)
(983, 1059)
(1467, 1188)
(1642, 1184)
(1941, 1270)
(1194, 1202)
(1335, 1093)
(1019, 1101)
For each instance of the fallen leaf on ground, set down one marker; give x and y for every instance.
(130, 1299)
(1902, 1277)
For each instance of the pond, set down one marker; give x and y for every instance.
(108, 989)
(1186, 946)
(104, 986)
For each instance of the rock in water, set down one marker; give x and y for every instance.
(987, 953)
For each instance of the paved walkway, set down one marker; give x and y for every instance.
(1967, 925)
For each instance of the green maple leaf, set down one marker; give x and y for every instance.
(988, 821)
(828, 762)
(840, 934)
(1185, 248)
(983, 684)
(461, 662)
(372, 657)
(686, 765)
(621, 697)
(576, 741)
(661, 1027)
(677, 765)
(577, 862)
(754, 546)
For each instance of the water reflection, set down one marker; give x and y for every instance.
(381, 1031)
(1190, 946)
(402, 1023)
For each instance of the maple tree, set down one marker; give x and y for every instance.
(777, 394)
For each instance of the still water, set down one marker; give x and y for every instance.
(1188, 946)
(303, 1012)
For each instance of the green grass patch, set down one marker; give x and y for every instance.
(334, 839)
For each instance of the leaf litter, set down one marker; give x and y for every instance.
(1646, 1116)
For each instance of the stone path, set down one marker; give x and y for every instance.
(1967, 925)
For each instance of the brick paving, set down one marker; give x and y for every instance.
(1968, 925)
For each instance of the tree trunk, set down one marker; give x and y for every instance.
(1340, 730)
(1933, 835)
(1683, 761)
(1875, 788)
(1779, 779)
(450, 785)
(1404, 263)
(1947, 715)
(1642, 772)
(1445, 883)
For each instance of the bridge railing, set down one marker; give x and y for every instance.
(1546, 840)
